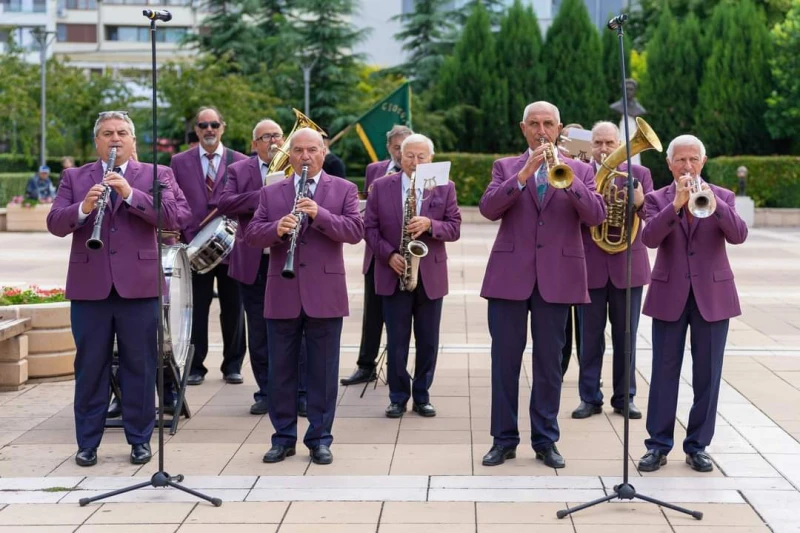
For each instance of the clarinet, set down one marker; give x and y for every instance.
(288, 267)
(94, 242)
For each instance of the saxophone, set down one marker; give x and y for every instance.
(413, 250)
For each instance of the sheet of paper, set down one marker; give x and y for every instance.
(433, 174)
(275, 177)
(578, 144)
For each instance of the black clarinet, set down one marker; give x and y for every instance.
(302, 192)
(94, 242)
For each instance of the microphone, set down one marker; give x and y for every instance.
(617, 21)
(164, 16)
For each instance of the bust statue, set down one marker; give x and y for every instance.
(635, 109)
(741, 174)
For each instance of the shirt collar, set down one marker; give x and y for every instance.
(123, 167)
(315, 178)
(262, 162)
(407, 183)
(219, 151)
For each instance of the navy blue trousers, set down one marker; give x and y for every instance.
(508, 323)
(400, 310)
(371, 323)
(707, 342)
(608, 301)
(95, 323)
(322, 338)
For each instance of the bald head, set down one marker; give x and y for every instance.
(306, 147)
(605, 139)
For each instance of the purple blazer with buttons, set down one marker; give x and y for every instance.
(692, 256)
(602, 266)
(239, 200)
(129, 256)
(539, 245)
(374, 171)
(383, 228)
(319, 287)
(190, 178)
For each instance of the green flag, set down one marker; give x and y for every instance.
(373, 125)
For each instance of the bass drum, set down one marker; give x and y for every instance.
(177, 302)
(213, 244)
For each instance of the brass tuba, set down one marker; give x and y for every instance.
(616, 199)
(280, 163)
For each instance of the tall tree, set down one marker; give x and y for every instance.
(519, 49)
(611, 70)
(736, 82)
(783, 116)
(573, 61)
(423, 37)
(19, 108)
(494, 8)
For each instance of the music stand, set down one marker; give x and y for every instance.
(161, 478)
(626, 491)
(379, 363)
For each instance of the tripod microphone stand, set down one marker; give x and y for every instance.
(626, 491)
(161, 478)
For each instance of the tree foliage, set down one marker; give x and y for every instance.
(783, 116)
(424, 40)
(611, 71)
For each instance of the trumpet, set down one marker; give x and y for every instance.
(302, 192)
(701, 204)
(559, 175)
(94, 242)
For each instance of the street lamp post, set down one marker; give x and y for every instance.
(307, 83)
(43, 39)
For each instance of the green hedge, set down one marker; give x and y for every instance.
(20, 163)
(772, 181)
(14, 183)
(471, 173)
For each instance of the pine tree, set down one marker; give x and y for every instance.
(519, 49)
(783, 116)
(572, 57)
(424, 31)
(736, 82)
(494, 8)
(611, 65)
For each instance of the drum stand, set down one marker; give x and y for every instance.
(161, 479)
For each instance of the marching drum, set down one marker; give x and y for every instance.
(213, 244)
(177, 302)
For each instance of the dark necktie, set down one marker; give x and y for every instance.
(309, 184)
(210, 174)
(113, 194)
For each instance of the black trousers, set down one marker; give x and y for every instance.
(371, 323)
(572, 324)
(234, 344)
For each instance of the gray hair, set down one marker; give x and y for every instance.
(398, 130)
(266, 121)
(541, 103)
(416, 138)
(315, 133)
(605, 124)
(685, 140)
(110, 115)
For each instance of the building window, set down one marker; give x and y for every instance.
(141, 34)
(76, 33)
(82, 4)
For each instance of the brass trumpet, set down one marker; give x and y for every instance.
(559, 175)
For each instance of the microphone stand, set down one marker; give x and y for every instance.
(161, 478)
(626, 491)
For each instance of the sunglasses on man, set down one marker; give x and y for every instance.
(214, 125)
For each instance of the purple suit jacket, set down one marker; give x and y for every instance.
(374, 171)
(383, 226)
(130, 252)
(239, 200)
(184, 211)
(190, 178)
(692, 257)
(320, 287)
(600, 266)
(539, 245)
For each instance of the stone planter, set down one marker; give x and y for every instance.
(51, 347)
(20, 218)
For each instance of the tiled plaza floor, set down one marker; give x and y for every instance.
(420, 475)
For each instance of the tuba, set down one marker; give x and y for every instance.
(412, 250)
(616, 199)
(280, 163)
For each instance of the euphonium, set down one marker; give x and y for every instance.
(280, 162)
(701, 204)
(559, 175)
(413, 250)
(616, 199)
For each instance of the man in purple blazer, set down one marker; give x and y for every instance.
(114, 289)
(691, 286)
(436, 220)
(313, 302)
(536, 266)
(607, 278)
(201, 174)
(372, 321)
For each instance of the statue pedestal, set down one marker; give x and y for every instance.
(746, 209)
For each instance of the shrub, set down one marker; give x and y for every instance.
(772, 181)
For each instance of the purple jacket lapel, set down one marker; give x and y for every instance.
(396, 193)
(322, 188)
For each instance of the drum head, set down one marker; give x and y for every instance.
(177, 302)
(212, 244)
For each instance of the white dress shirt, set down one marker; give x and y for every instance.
(123, 167)
(217, 159)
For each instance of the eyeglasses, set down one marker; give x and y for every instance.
(269, 136)
(214, 125)
(105, 113)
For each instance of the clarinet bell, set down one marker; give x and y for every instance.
(288, 268)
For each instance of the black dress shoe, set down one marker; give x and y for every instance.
(278, 453)
(361, 375)
(302, 406)
(195, 378)
(141, 454)
(551, 457)
(114, 408)
(585, 410)
(321, 455)
(261, 407)
(633, 412)
(234, 378)
(498, 455)
(652, 461)
(699, 461)
(395, 410)
(424, 409)
(86, 457)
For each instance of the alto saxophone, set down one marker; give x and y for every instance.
(413, 250)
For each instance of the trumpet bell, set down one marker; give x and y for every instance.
(702, 204)
(560, 176)
(418, 248)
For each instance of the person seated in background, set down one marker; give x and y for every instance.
(333, 164)
(39, 187)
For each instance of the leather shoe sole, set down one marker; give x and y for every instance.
(271, 457)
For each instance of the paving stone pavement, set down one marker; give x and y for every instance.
(419, 475)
